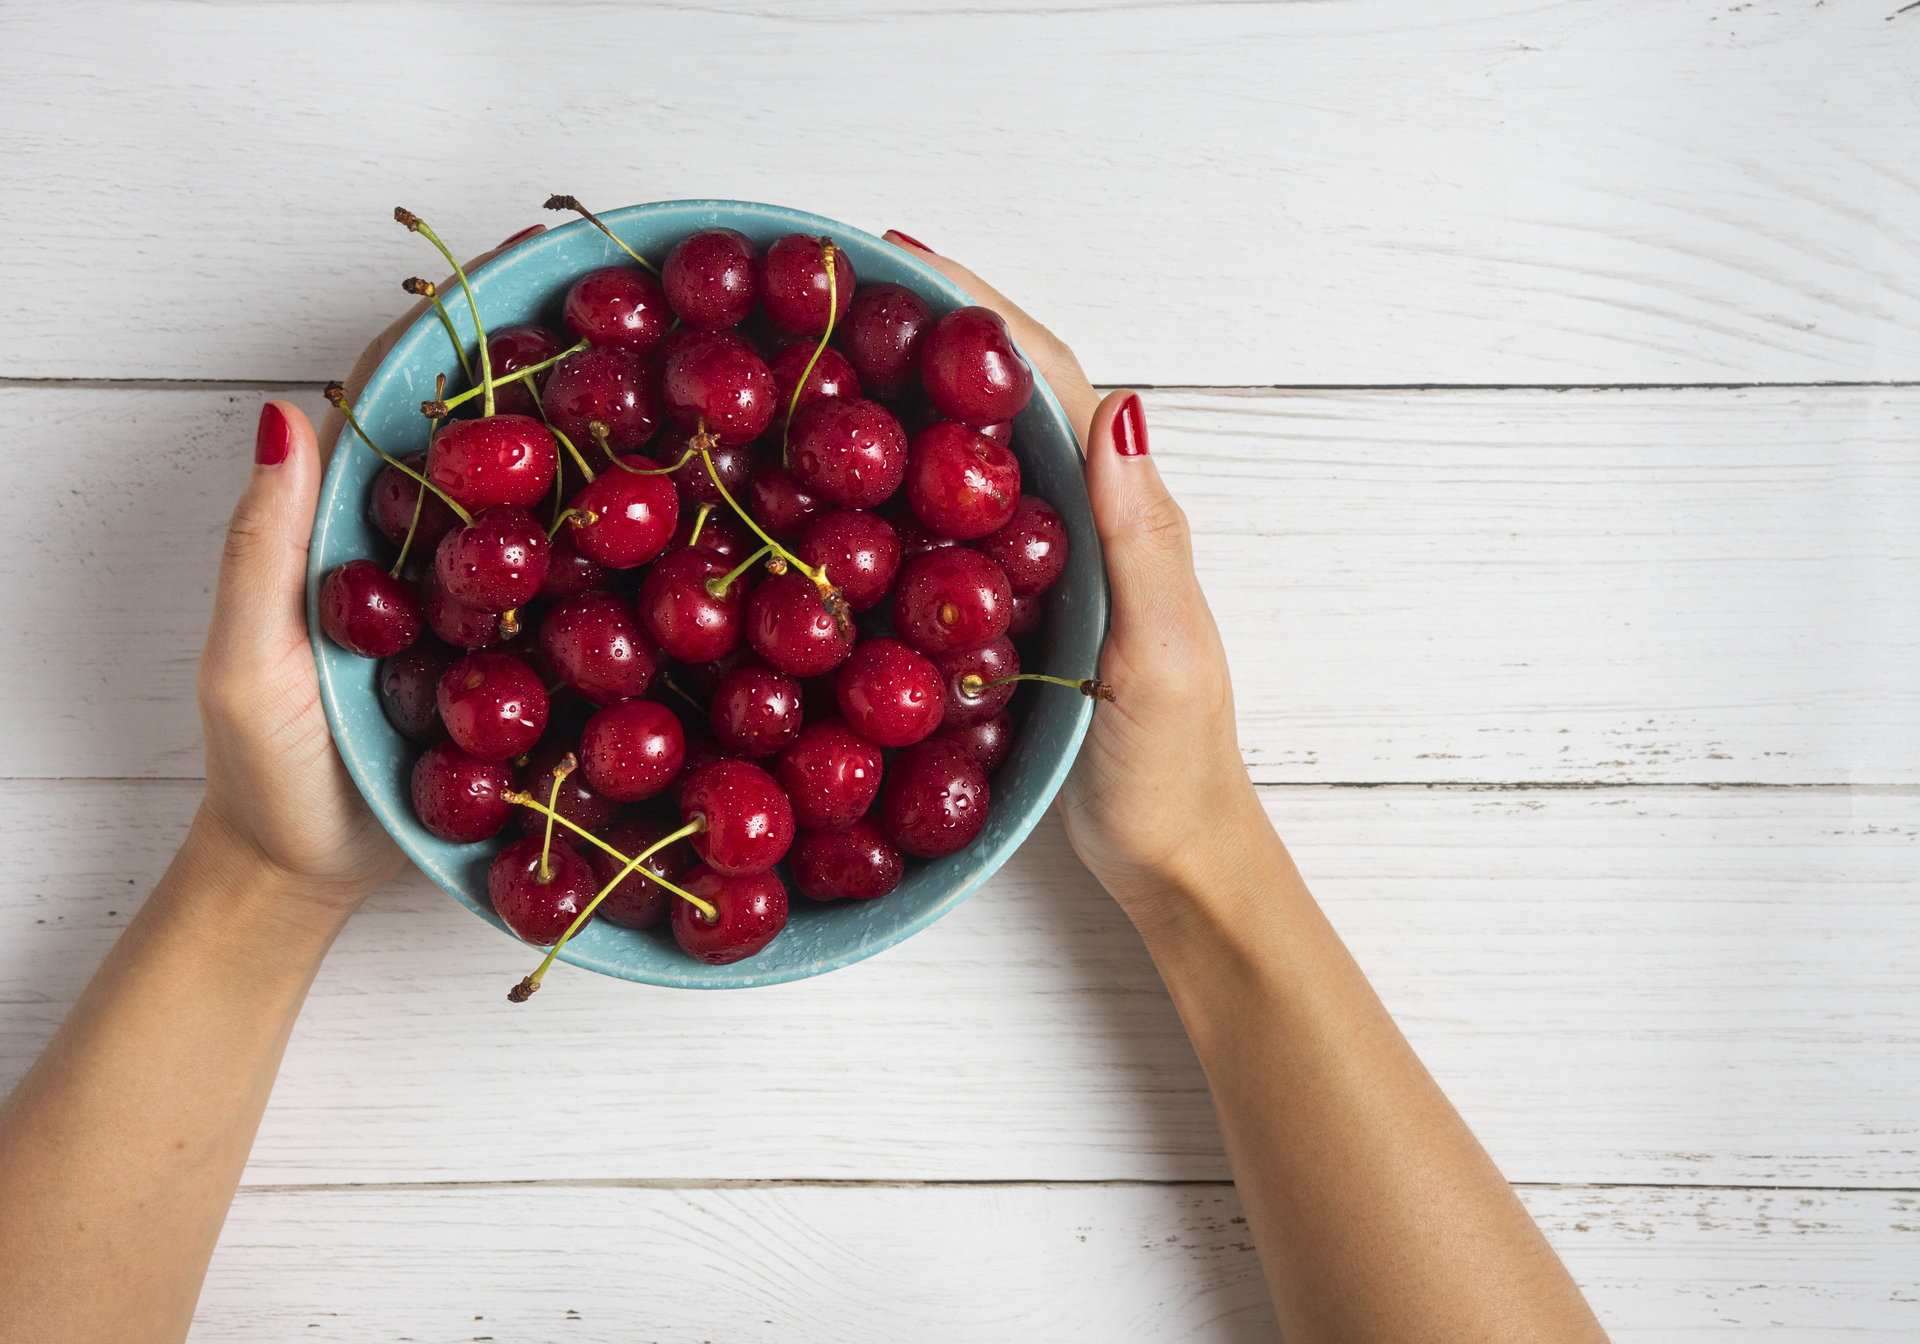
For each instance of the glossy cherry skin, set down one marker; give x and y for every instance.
(988, 741)
(718, 380)
(971, 369)
(455, 622)
(793, 284)
(579, 802)
(683, 618)
(367, 611)
(889, 694)
(712, 278)
(493, 705)
(848, 452)
(831, 775)
(638, 903)
(989, 662)
(960, 482)
(832, 376)
(503, 459)
(539, 912)
(914, 537)
(718, 533)
(857, 860)
(752, 911)
(858, 550)
(459, 797)
(391, 507)
(1032, 547)
(607, 386)
(632, 749)
(619, 306)
(1027, 612)
(596, 646)
(950, 600)
(781, 504)
(510, 349)
(569, 572)
(788, 624)
(498, 564)
(625, 518)
(935, 798)
(1000, 433)
(749, 821)
(410, 689)
(885, 328)
(755, 711)
(733, 462)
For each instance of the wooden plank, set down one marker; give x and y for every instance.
(1643, 986)
(1375, 192)
(1554, 587)
(939, 1263)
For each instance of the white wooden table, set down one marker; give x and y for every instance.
(1543, 380)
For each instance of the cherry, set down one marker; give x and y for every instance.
(625, 518)
(607, 386)
(503, 459)
(987, 741)
(577, 800)
(703, 679)
(971, 369)
(950, 600)
(858, 550)
(497, 564)
(781, 504)
(367, 611)
(831, 775)
(702, 750)
(493, 705)
(886, 325)
(686, 620)
(717, 534)
(752, 911)
(460, 797)
(960, 482)
(638, 902)
(749, 823)
(596, 646)
(733, 462)
(989, 662)
(391, 507)
(756, 710)
(788, 624)
(568, 571)
(914, 537)
(1026, 613)
(1031, 547)
(890, 695)
(455, 622)
(711, 278)
(793, 284)
(832, 376)
(632, 749)
(718, 380)
(935, 798)
(510, 349)
(1000, 433)
(539, 911)
(848, 452)
(857, 861)
(619, 306)
(410, 688)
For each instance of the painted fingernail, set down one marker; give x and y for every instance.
(909, 238)
(273, 439)
(1130, 428)
(530, 229)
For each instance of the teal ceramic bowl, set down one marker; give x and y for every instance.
(527, 284)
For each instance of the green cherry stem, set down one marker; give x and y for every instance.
(419, 226)
(526, 373)
(718, 587)
(544, 873)
(698, 824)
(336, 397)
(706, 456)
(1092, 688)
(419, 505)
(699, 521)
(567, 443)
(572, 203)
(585, 515)
(833, 306)
(431, 292)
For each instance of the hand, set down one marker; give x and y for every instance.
(1160, 777)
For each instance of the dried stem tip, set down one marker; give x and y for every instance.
(426, 289)
(435, 410)
(336, 394)
(523, 991)
(1095, 689)
(405, 216)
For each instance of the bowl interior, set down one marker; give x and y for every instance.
(528, 284)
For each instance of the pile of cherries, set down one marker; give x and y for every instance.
(729, 579)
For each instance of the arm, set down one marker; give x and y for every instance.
(1377, 1214)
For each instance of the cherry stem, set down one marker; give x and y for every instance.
(833, 306)
(685, 458)
(544, 873)
(336, 396)
(818, 576)
(571, 203)
(567, 443)
(415, 285)
(419, 226)
(699, 521)
(526, 373)
(419, 506)
(718, 587)
(674, 686)
(1092, 688)
(565, 514)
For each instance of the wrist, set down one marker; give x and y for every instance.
(1228, 896)
(256, 908)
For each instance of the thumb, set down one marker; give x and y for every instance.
(1149, 549)
(259, 607)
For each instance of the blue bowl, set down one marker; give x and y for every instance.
(528, 284)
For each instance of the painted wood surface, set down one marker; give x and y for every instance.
(1379, 191)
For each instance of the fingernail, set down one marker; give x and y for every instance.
(530, 229)
(273, 439)
(1130, 428)
(909, 238)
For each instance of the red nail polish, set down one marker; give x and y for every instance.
(1130, 428)
(909, 238)
(273, 439)
(531, 228)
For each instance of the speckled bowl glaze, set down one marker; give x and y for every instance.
(527, 284)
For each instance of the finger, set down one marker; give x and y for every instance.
(259, 606)
(1149, 550)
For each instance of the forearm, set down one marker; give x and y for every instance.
(121, 1148)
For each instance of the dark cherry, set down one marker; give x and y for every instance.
(686, 620)
(410, 689)
(712, 278)
(1031, 547)
(638, 903)
(502, 459)
(848, 452)
(703, 679)
(755, 710)
(752, 911)
(780, 503)
(632, 749)
(718, 380)
(988, 741)
(460, 797)
(619, 306)
(1000, 433)
(596, 646)
(510, 349)
(717, 534)
(971, 369)
(951, 600)
(625, 518)
(886, 325)
(579, 802)
(391, 507)
(914, 537)
(831, 775)
(935, 798)
(539, 911)
(960, 482)
(733, 461)
(749, 822)
(498, 564)
(1027, 612)
(858, 550)
(989, 662)
(857, 860)
(832, 376)
(607, 386)
(788, 624)
(493, 705)
(569, 572)
(367, 611)
(455, 622)
(889, 694)
(793, 284)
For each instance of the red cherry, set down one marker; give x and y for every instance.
(935, 799)
(391, 507)
(988, 741)
(1026, 613)
(989, 662)
(625, 518)
(579, 802)
(632, 749)
(752, 911)
(914, 537)
(886, 325)
(960, 482)
(717, 534)
(890, 695)
(503, 459)
(620, 306)
(733, 461)
(569, 572)
(718, 380)
(367, 611)
(638, 902)
(596, 646)
(1031, 547)
(857, 861)
(831, 775)
(793, 284)
(848, 452)
(756, 710)
(971, 369)
(455, 622)
(832, 376)
(780, 504)
(493, 705)
(788, 624)
(539, 912)
(497, 564)
(858, 550)
(459, 797)
(712, 278)
(410, 689)
(510, 349)
(686, 620)
(749, 822)
(607, 386)
(950, 600)
(1000, 433)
